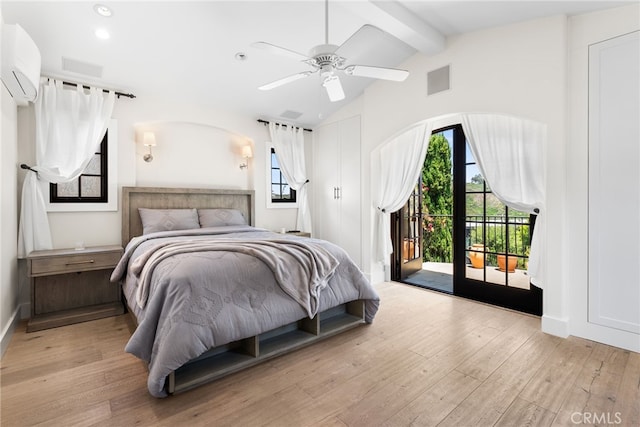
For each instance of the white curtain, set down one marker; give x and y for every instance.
(288, 142)
(70, 125)
(397, 165)
(509, 152)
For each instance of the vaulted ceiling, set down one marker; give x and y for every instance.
(201, 52)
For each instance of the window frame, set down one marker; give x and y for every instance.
(104, 180)
(112, 182)
(271, 203)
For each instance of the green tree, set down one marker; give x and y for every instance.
(437, 192)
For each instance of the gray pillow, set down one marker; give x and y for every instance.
(220, 217)
(154, 220)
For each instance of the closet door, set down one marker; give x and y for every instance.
(326, 215)
(349, 193)
(337, 200)
(614, 183)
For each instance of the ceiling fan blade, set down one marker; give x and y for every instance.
(334, 88)
(286, 80)
(377, 72)
(280, 51)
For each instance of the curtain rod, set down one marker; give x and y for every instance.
(24, 166)
(118, 94)
(266, 122)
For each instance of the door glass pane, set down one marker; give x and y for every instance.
(411, 229)
(497, 237)
(437, 178)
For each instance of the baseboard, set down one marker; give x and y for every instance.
(8, 330)
(606, 335)
(555, 326)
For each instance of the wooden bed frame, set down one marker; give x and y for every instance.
(179, 198)
(227, 359)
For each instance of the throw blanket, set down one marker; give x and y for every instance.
(302, 269)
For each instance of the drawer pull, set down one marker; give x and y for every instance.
(90, 261)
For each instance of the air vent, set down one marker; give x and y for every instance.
(81, 67)
(290, 115)
(438, 80)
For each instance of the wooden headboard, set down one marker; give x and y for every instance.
(177, 198)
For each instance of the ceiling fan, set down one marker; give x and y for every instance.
(325, 59)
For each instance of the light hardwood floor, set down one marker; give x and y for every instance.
(428, 359)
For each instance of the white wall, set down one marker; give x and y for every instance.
(9, 283)
(585, 30)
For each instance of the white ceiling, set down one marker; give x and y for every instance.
(186, 50)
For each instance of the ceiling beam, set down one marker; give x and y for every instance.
(392, 17)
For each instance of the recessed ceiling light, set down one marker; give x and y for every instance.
(102, 34)
(102, 10)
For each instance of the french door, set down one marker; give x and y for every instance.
(407, 232)
(490, 241)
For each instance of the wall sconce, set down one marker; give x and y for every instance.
(246, 154)
(149, 140)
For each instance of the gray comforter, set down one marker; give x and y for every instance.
(197, 289)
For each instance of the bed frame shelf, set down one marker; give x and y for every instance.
(284, 343)
(228, 359)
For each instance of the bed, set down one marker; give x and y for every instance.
(211, 294)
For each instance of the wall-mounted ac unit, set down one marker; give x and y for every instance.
(20, 64)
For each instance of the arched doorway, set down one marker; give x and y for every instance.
(456, 241)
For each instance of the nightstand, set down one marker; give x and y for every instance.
(71, 286)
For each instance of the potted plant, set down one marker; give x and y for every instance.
(502, 263)
(476, 255)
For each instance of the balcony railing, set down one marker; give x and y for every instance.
(490, 231)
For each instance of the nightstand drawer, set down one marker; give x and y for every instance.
(74, 263)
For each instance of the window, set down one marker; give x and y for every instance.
(281, 192)
(91, 186)
(105, 169)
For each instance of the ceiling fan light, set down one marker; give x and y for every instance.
(334, 88)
